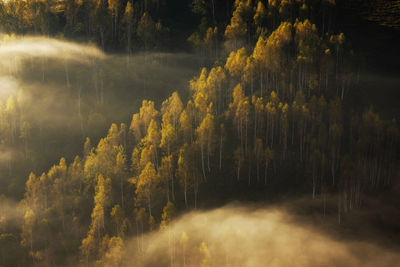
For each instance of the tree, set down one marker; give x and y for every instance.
(238, 96)
(308, 43)
(243, 119)
(145, 186)
(215, 89)
(128, 20)
(147, 155)
(45, 188)
(87, 147)
(204, 8)
(222, 140)
(299, 112)
(249, 73)
(88, 247)
(152, 223)
(25, 135)
(271, 110)
(184, 241)
(146, 31)
(284, 128)
(75, 172)
(58, 173)
(199, 7)
(113, 255)
(270, 55)
(99, 21)
(338, 42)
(258, 115)
(117, 214)
(168, 136)
(269, 156)
(315, 157)
(327, 7)
(205, 135)
(258, 63)
(206, 256)
(186, 127)
(37, 15)
(211, 40)
(203, 95)
(335, 133)
(169, 212)
(173, 107)
(260, 15)
(32, 191)
(236, 62)
(153, 138)
(237, 29)
(238, 156)
(103, 158)
(136, 128)
(166, 175)
(141, 217)
(147, 113)
(258, 153)
(71, 11)
(12, 113)
(101, 201)
(187, 172)
(27, 229)
(122, 135)
(120, 170)
(114, 6)
(240, 110)
(94, 237)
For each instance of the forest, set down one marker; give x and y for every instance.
(199, 133)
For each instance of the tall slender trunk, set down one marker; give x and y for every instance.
(249, 173)
(339, 208)
(266, 173)
(208, 157)
(220, 153)
(122, 193)
(185, 191)
(202, 162)
(67, 74)
(245, 136)
(238, 170)
(196, 192)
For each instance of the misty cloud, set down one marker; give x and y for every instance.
(10, 212)
(243, 236)
(62, 84)
(9, 86)
(21, 48)
(67, 91)
(5, 155)
(21, 57)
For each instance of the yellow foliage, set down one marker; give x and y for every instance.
(236, 62)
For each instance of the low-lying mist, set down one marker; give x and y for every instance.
(63, 82)
(68, 91)
(10, 213)
(246, 236)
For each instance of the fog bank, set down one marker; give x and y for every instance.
(243, 236)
